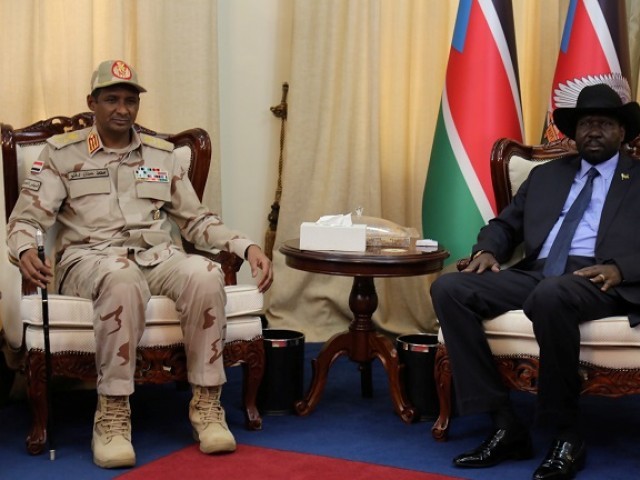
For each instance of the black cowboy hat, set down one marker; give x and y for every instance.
(599, 99)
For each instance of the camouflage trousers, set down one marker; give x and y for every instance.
(120, 290)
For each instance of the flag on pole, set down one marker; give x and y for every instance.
(595, 47)
(480, 104)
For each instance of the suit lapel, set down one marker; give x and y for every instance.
(623, 178)
(555, 195)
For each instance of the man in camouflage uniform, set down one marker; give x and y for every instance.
(112, 192)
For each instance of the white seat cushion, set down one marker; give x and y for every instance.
(607, 342)
(71, 324)
(242, 300)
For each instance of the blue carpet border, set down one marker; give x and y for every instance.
(343, 425)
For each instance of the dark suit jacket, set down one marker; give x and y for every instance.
(538, 203)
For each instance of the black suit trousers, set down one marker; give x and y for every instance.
(555, 305)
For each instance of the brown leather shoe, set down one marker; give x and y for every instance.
(562, 462)
(501, 445)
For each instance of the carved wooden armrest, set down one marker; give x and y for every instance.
(230, 262)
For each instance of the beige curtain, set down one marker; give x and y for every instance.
(52, 46)
(365, 88)
(366, 79)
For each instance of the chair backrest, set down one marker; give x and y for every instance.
(20, 147)
(511, 162)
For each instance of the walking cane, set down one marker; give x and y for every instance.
(47, 351)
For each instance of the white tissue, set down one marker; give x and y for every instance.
(333, 232)
(426, 242)
(427, 245)
(335, 220)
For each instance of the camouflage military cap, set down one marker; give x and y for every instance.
(113, 72)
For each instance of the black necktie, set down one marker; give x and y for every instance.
(556, 262)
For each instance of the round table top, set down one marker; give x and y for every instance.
(374, 262)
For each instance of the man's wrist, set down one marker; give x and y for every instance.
(478, 253)
(25, 251)
(246, 250)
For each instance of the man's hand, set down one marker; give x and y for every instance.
(260, 262)
(484, 261)
(605, 275)
(34, 270)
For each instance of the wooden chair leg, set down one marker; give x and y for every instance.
(253, 371)
(250, 354)
(442, 373)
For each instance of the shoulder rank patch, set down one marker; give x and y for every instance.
(93, 142)
(64, 139)
(156, 142)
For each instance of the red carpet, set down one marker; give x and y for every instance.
(256, 463)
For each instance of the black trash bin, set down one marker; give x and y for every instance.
(417, 353)
(283, 377)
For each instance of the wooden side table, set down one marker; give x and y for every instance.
(361, 343)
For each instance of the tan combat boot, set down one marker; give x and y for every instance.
(208, 420)
(111, 443)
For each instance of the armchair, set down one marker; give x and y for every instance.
(609, 360)
(160, 356)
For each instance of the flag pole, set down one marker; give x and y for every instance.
(47, 351)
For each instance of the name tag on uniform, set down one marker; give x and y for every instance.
(83, 174)
(31, 184)
(148, 174)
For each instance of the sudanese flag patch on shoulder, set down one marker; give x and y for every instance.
(36, 167)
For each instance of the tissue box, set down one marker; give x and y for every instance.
(427, 245)
(351, 238)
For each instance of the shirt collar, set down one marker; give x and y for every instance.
(606, 169)
(94, 142)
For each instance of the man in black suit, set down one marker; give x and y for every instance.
(597, 274)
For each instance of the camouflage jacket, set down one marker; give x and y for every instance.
(114, 201)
